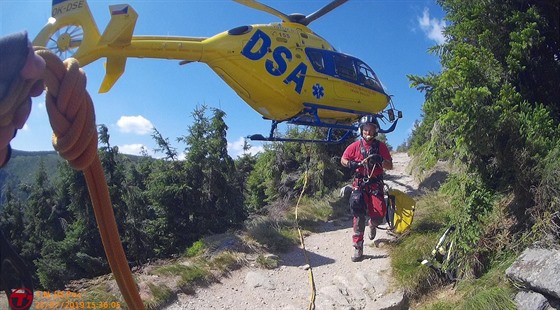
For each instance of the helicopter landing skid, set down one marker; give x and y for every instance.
(271, 138)
(310, 117)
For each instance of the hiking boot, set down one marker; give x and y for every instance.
(372, 231)
(358, 254)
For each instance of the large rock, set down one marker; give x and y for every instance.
(538, 269)
(531, 301)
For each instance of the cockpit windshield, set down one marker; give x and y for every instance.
(344, 67)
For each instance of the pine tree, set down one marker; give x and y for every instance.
(12, 219)
(41, 219)
(225, 194)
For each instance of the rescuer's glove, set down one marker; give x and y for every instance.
(354, 164)
(376, 159)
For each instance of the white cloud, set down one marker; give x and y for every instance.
(235, 149)
(134, 149)
(432, 27)
(25, 127)
(135, 124)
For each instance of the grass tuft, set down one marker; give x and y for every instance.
(226, 262)
(497, 298)
(312, 213)
(276, 235)
(267, 262)
(190, 275)
(195, 249)
(160, 296)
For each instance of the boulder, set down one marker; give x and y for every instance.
(528, 300)
(537, 270)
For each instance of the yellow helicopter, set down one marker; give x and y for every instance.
(283, 70)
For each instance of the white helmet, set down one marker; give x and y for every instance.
(368, 119)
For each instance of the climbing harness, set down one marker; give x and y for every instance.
(72, 118)
(311, 305)
(364, 184)
(368, 177)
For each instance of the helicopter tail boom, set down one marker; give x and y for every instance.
(72, 32)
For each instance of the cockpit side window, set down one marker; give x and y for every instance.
(344, 67)
(316, 59)
(367, 77)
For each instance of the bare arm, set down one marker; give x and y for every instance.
(388, 164)
(346, 162)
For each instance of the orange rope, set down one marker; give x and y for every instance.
(72, 118)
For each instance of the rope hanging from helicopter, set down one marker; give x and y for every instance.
(311, 305)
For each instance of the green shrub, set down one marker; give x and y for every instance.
(472, 204)
(549, 187)
(195, 249)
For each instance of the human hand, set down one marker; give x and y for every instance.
(353, 165)
(33, 69)
(375, 158)
(18, 60)
(364, 161)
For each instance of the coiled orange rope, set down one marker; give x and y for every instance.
(72, 118)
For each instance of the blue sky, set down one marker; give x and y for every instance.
(392, 36)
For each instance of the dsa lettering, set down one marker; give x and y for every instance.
(278, 65)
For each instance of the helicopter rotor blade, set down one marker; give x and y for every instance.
(265, 8)
(324, 10)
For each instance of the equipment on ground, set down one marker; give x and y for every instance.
(400, 210)
(443, 256)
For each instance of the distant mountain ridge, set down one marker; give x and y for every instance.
(23, 166)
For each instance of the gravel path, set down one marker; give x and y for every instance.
(340, 283)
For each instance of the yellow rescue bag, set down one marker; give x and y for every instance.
(404, 210)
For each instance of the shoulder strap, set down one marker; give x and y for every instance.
(374, 149)
(363, 149)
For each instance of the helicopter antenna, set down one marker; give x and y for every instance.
(295, 17)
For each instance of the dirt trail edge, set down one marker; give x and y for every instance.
(340, 283)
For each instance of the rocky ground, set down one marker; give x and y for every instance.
(339, 283)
